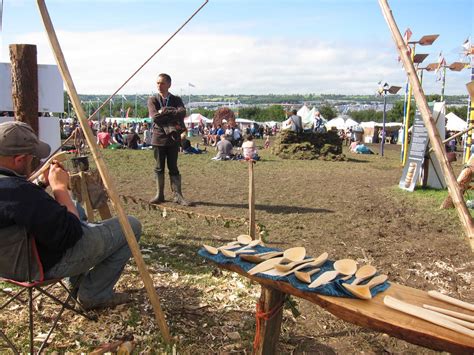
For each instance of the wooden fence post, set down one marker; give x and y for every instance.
(252, 227)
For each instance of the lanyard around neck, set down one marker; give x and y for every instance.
(166, 102)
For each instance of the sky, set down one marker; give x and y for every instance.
(241, 46)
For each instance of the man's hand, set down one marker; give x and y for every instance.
(58, 177)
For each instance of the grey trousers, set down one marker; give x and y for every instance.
(100, 255)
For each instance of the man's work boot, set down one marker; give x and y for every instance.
(160, 189)
(176, 188)
(116, 299)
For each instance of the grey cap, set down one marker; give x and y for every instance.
(19, 138)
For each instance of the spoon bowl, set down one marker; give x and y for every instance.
(244, 239)
(346, 266)
(364, 273)
(294, 254)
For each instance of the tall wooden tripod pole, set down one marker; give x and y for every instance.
(112, 192)
(433, 134)
(251, 200)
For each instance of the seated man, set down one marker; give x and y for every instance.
(224, 149)
(67, 246)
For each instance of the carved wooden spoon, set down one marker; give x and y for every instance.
(258, 258)
(343, 266)
(363, 291)
(364, 273)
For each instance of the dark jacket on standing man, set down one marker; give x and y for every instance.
(165, 123)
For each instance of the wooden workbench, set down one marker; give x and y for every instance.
(371, 314)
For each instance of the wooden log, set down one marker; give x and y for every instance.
(268, 331)
(252, 227)
(106, 178)
(433, 134)
(25, 83)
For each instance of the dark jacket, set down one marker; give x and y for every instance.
(25, 204)
(163, 122)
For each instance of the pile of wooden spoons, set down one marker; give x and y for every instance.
(243, 244)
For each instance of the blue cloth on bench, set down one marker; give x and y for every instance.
(333, 288)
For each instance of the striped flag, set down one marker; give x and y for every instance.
(441, 63)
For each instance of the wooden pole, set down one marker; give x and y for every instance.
(433, 134)
(252, 227)
(112, 192)
(25, 83)
(268, 332)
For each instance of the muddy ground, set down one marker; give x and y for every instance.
(350, 209)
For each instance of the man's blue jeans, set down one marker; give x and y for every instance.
(100, 255)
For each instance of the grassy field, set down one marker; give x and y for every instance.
(349, 209)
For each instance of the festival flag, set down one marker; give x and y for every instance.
(467, 44)
(191, 85)
(441, 63)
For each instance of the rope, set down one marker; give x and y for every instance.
(261, 315)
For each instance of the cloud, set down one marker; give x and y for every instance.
(224, 64)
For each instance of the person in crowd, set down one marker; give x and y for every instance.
(266, 145)
(249, 148)
(147, 135)
(167, 112)
(186, 146)
(224, 149)
(67, 245)
(295, 121)
(117, 138)
(103, 138)
(237, 137)
(133, 139)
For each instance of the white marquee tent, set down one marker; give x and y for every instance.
(454, 123)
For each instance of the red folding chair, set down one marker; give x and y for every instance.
(20, 266)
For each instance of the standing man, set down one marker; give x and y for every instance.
(167, 112)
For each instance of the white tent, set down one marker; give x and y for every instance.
(454, 123)
(337, 122)
(303, 112)
(350, 123)
(196, 118)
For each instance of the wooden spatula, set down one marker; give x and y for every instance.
(456, 302)
(425, 314)
(363, 291)
(266, 265)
